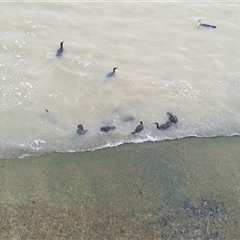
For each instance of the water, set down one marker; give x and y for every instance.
(164, 64)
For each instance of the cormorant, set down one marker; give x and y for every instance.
(111, 73)
(139, 128)
(107, 128)
(128, 119)
(172, 118)
(164, 126)
(60, 50)
(200, 24)
(80, 130)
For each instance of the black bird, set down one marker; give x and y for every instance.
(111, 73)
(139, 128)
(80, 130)
(172, 118)
(60, 50)
(107, 128)
(200, 24)
(164, 126)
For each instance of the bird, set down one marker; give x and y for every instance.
(60, 50)
(107, 128)
(172, 118)
(80, 129)
(139, 128)
(128, 119)
(200, 24)
(50, 118)
(111, 73)
(164, 126)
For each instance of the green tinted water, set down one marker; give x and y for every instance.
(180, 189)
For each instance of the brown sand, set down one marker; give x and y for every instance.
(182, 189)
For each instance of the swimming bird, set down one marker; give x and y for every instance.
(107, 128)
(60, 50)
(164, 126)
(139, 128)
(50, 118)
(111, 73)
(172, 118)
(128, 119)
(200, 24)
(80, 129)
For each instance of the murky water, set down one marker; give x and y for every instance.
(165, 63)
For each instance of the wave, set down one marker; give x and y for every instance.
(22, 151)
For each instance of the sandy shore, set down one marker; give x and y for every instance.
(181, 189)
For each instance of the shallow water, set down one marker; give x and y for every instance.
(165, 63)
(179, 189)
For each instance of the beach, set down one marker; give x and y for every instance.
(176, 189)
(60, 183)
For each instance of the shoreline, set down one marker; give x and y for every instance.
(185, 188)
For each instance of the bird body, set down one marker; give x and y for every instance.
(111, 73)
(107, 128)
(164, 126)
(80, 129)
(200, 24)
(172, 118)
(60, 50)
(139, 128)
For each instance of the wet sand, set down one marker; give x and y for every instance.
(181, 189)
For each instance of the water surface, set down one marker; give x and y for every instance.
(165, 63)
